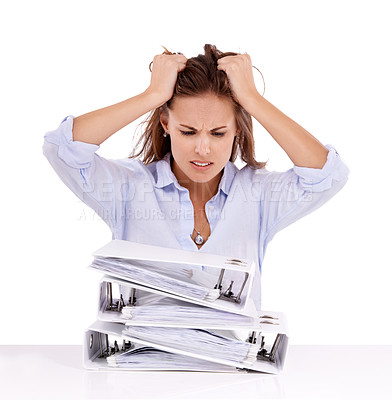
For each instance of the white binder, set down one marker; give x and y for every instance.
(268, 357)
(112, 309)
(232, 278)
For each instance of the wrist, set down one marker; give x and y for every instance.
(154, 99)
(252, 101)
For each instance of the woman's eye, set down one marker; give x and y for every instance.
(189, 133)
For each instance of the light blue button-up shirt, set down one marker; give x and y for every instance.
(146, 204)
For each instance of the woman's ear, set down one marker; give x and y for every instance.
(164, 121)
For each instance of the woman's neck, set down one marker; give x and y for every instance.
(199, 193)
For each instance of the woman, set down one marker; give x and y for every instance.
(187, 193)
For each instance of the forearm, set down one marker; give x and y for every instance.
(303, 149)
(96, 126)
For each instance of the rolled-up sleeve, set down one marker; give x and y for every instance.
(100, 183)
(74, 154)
(288, 196)
(318, 180)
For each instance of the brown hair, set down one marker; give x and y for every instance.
(200, 76)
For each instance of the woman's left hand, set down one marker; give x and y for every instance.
(239, 71)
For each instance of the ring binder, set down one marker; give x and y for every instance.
(262, 360)
(181, 273)
(160, 309)
(103, 352)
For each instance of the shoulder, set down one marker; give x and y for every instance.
(242, 182)
(251, 174)
(135, 167)
(157, 173)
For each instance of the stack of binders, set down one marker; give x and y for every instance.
(168, 309)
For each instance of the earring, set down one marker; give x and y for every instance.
(165, 134)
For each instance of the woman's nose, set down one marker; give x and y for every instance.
(202, 145)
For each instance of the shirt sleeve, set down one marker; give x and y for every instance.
(288, 196)
(100, 183)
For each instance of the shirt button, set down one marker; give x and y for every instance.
(211, 208)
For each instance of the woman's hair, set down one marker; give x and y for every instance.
(200, 76)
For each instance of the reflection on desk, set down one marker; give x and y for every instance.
(311, 372)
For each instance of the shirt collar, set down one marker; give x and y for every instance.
(165, 176)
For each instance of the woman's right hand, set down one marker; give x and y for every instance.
(165, 68)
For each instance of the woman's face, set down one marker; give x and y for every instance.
(202, 130)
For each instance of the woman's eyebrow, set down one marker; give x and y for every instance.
(194, 129)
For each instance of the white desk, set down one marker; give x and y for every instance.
(311, 372)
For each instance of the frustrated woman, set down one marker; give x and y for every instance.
(182, 189)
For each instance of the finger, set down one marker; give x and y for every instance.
(181, 58)
(178, 58)
(181, 67)
(227, 59)
(222, 61)
(225, 62)
(221, 64)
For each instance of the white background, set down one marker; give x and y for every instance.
(327, 65)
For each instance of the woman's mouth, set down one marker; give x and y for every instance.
(201, 165)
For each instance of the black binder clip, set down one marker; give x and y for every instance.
(263, 354)
(106, 350)
(113, 305)
(228, 294)
(132, 297)
(253, 337)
